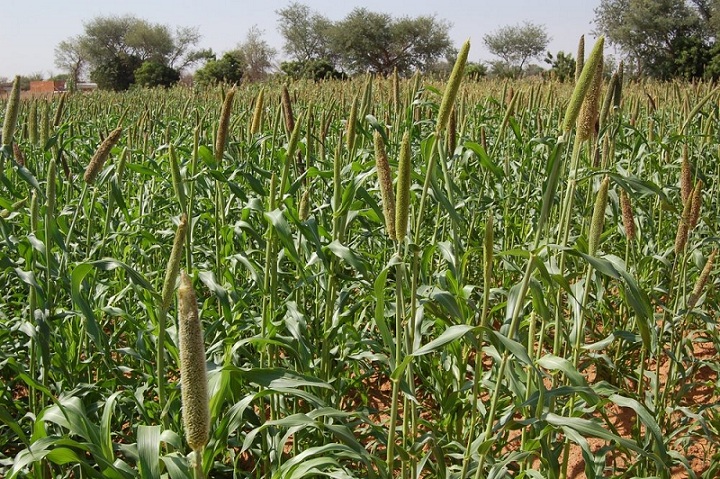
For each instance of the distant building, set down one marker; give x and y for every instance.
(5, 89)
(86, 86)
(59, 86)
(47, 86)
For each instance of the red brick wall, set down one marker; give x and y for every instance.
(47, 86)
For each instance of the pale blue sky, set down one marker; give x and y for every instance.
(31, 28)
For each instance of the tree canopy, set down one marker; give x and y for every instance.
(114, 47)
(228, 69)
(305, 33)
(664, 38)
(362, 41)
(517, 44)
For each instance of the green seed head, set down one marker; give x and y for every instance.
(287, 110)
(173, 265)
(224, 125)
(33, 130)
(351, 123)
(257, 113)
(702, 280)
(193, 372)
(683, 230)
(589, 110)
(177, 181)
(695, 205)
(617, 91)
(101, 155)
(598, 218)
(34, 213)
(60, 110)
(11, 113)
(587, 77)
(45, 125)
(50, 189)
(580, 61)
(396, 90)
(452, 87)
(304, 209)
(386, 184)
(628, 218)
(685, 176)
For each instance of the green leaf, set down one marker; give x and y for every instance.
(62, 456)
(517, 349)
(555, 363)
(28, 178)
(648, 420)
(106, 426)
(485, 160)
(591, 428)
(109, 264)
(449, 335)
(77, 276)
(148, 443)
(207, 156)
(282, 228)
(176, 466)
(348, 256)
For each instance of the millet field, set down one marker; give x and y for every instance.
(371, 278)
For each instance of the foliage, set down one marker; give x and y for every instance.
(310, 69)
(562, 66)
(70, 58)
(376, 42)
(117, 72)
(475, 71)
(114, 47)
(230, 68)
(305, 33)
(363, 41)
(257, 54)
(526, 317)
(666, 38)
(516, 44)
(152, 74)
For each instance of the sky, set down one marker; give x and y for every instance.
(31, 29)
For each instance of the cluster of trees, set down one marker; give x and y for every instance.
(664, 39)
(122, 51)
(251, 60)
(363, 41)
(119, 52)
(515, 45)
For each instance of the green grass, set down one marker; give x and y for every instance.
(490, 335)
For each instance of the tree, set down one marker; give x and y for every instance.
(516, 44)
(258, 55)
(152, 74)
(475, 71)
(666, 38)
(310, 69)
(305, 33)
(370, 41)
(114, 47)
(116, 73)
(70, 58)
(562, 66)
(229, 69)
